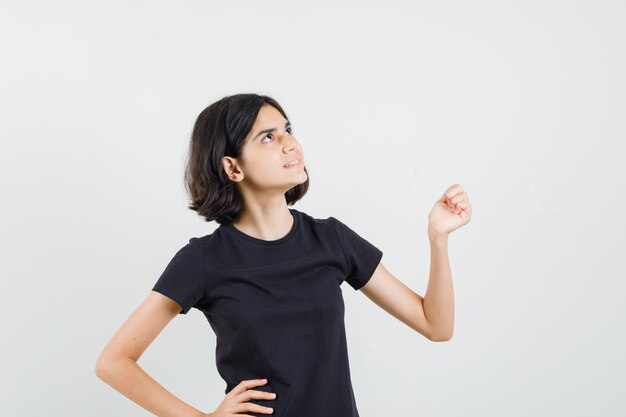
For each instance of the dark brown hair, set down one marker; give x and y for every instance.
(220, 130)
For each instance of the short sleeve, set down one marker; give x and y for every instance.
(183, 279)
(362, 257)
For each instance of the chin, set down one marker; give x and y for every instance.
(290, 185)
(304, 178)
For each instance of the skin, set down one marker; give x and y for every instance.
(431, 315)
(262, 180)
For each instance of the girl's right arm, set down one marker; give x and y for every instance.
(117, 364)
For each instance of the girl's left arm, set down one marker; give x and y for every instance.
(439, 299)
(433, 314)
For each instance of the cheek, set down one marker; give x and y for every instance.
(265, 168)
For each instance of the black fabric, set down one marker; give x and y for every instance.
(277, 309)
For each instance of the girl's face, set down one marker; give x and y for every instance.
(267, 149)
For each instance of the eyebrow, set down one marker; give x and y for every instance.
(270, 130)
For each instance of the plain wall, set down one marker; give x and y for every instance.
(521, 103)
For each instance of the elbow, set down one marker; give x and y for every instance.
(109, 366)
(442, 336)
(101, 369)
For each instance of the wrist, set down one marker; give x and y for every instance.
(437, 238)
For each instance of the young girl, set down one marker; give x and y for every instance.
(268, 278)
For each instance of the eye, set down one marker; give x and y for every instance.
(288, 130)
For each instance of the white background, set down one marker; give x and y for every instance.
(521, 103)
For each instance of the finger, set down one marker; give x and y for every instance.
(458, 197)
(247, 383)
(451, 205)
(464, 206)
(453, 190)
(452, 200)
(254, 408)
(258, 395)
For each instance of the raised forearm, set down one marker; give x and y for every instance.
(128, 378)
(439, 296)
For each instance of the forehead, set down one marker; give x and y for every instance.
(268, 117)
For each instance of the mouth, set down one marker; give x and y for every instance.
(293, 164)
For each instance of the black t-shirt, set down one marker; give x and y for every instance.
(277, 309)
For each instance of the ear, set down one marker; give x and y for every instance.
(232, 169)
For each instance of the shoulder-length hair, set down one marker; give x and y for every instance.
(220, 130)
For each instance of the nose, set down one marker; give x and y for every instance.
(290, 143)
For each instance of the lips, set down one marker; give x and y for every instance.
(293, 163)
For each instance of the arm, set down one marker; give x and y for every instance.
(432, 315)
(439, 298)
(117, 364)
